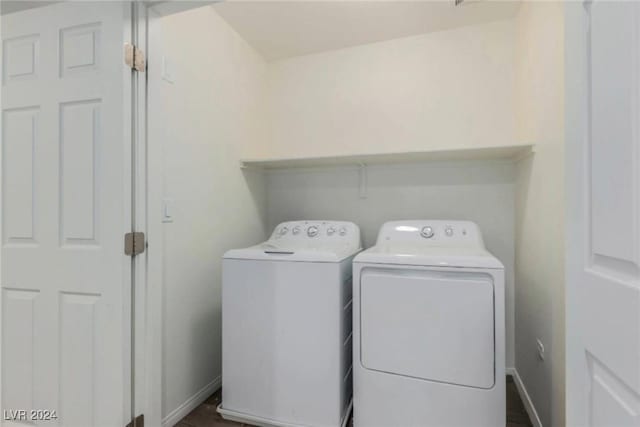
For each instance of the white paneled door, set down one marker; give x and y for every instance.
(66, 203)
(603, 213)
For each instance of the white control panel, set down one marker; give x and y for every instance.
(316, 231)
(431, 233)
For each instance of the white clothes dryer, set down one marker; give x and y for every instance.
(429, 346)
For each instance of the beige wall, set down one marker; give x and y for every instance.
(440, 90)
(212, 110)
(540, 207)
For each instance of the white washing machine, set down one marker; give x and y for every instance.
(428, 328)
(286, 327)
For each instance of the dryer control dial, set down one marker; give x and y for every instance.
(312, 231)
(331, 231)
(296, 230)
(427, 232)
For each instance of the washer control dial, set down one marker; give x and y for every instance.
(448, 231)
(427, 232)
(283, 231)
(312, 231)
(343, 231)
(331, 231)
(296, 230)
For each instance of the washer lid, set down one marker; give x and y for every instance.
(430, 243)
(305, 241)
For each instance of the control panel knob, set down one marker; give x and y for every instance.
(312, 231)
(448, 231)
(343, 231)
(427, 232)
(283, 231)
(296, 230)
(331, 231)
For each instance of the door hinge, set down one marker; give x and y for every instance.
(134, 243)
(137, 421)
(134, 57)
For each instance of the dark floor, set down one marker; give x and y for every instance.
(205, 415)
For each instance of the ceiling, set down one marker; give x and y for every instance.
(282, 29)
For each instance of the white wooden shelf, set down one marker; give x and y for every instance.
(509, 152)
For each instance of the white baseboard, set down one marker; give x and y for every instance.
(526, 399)
(191, 403)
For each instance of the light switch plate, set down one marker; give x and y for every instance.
(167, 210)
(540, 348)
(168, 73)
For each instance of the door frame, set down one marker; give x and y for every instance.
(146, 387)
(148, 267)
(575, 130)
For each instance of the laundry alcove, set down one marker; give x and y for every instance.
(334, 110)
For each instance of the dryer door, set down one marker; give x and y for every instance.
(430, 325)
